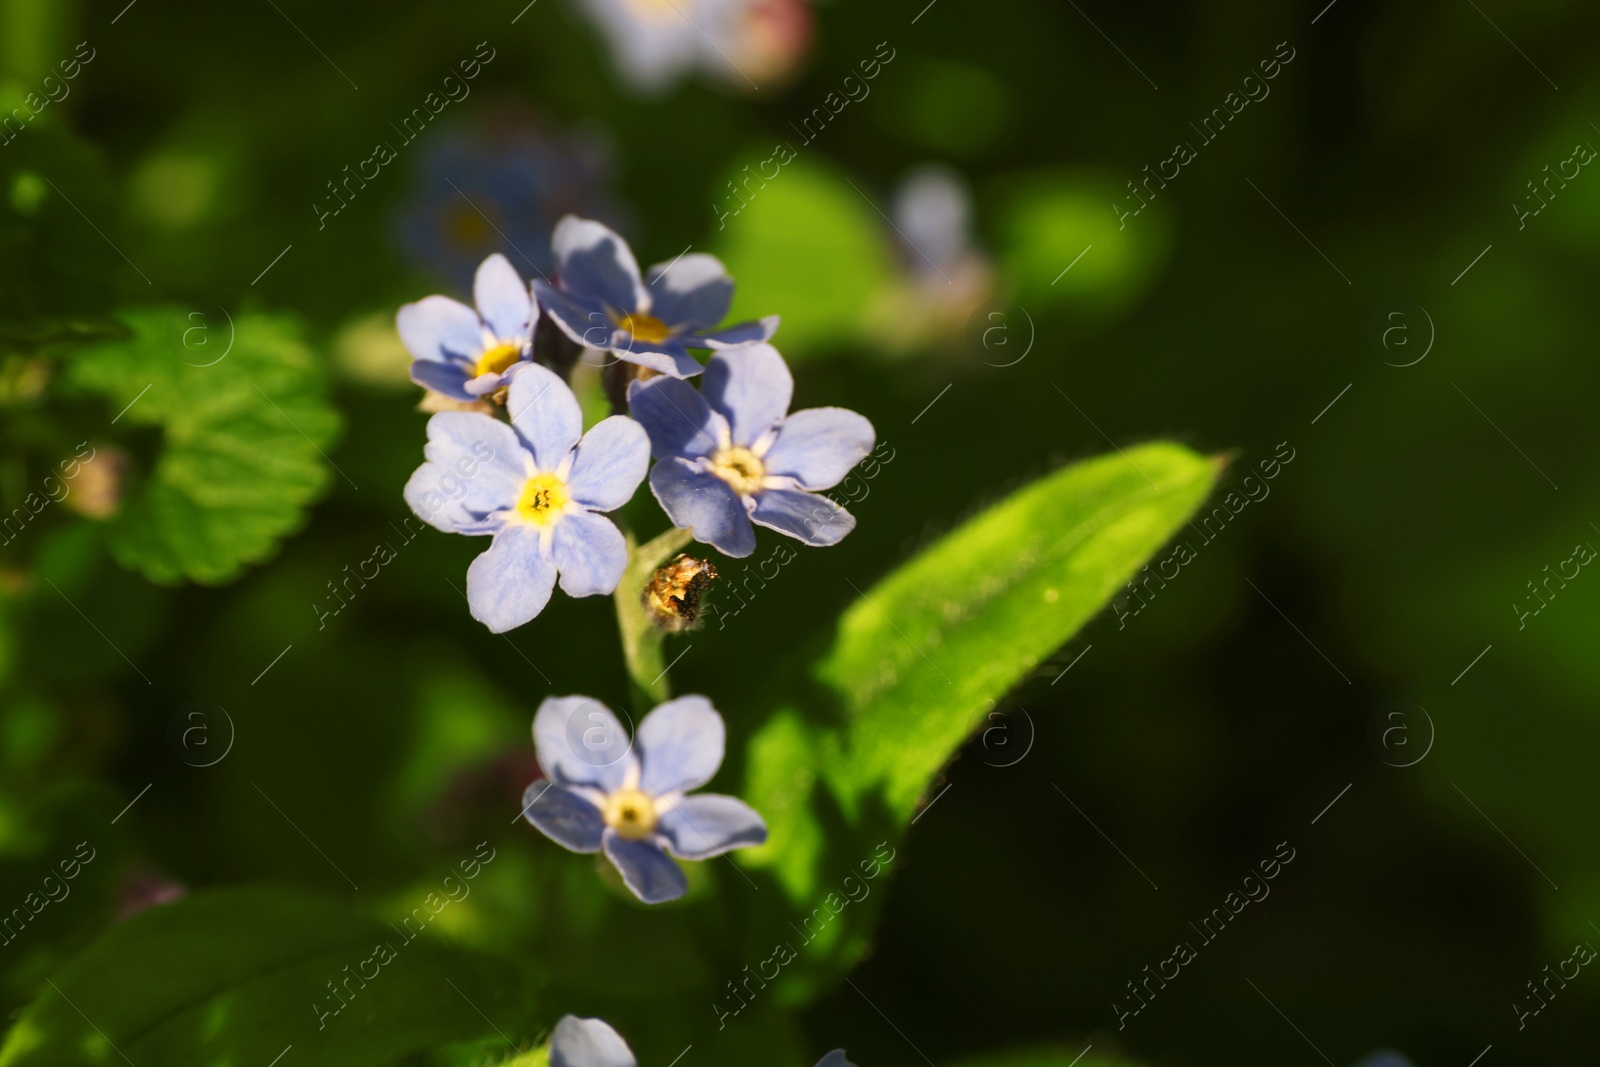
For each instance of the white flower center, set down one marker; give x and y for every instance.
(740, 468)
(631, 813)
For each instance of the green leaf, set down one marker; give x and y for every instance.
(243, 433)
(805, 243)
(237, 976)
(1055, 219)
(920, 659)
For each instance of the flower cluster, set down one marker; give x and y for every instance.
(508, 458)
(728, 456)
(593, 1043)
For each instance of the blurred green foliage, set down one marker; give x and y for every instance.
(392, 736)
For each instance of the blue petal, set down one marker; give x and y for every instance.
(545, 413)
(818, 446)
(503, 300)
(705, 502)
(590, 553)
(593, 262)
(585, 321)
(750, 387)
(676, 416)
(612, 460)
(814, 519)
(439, 329)
(484, 384)
(571, 821)
(670, 357)
(581, 743)
(645, 869)
(475, 467)
(835, 1059)
(680, 746)
(447, 378)
(588, 1043)
(512, 582)
(692, 292)
(743, 333)
(708, 824)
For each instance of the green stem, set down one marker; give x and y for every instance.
(641, 640)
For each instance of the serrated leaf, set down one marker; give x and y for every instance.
(238, 975)
(243, 435)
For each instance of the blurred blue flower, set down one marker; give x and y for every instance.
(466, 354)
(537, 489)
(740, 42)
(945, 277)
(500, 187)
(601, 302)
(601, 795)
(729, 455)
(593, 1043)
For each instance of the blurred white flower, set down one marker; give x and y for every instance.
(945, 276)
(745, 43)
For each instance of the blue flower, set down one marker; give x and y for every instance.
(593, 1043)
(537, 489)
(500, 185)
(729, 456)
(602, 795)
(466, 354)
(601, 301)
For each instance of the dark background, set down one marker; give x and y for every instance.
(1197, 735)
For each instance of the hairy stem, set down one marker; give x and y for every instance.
(641, 640)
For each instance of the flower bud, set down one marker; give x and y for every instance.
(672, 599)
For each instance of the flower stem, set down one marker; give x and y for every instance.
(641, 640)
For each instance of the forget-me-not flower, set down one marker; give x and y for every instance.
(629, 798)
(500, 184)
(601, 302)
(593, 1043)
(466, 354)
(730, 456)
(537, 486)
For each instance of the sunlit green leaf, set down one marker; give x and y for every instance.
(917, 662)
(244, 422)
(237, 976)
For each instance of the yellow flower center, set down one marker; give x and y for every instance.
(498, 358)
(543, 499)
(646, 328)
(631, 813)
(740, 468)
